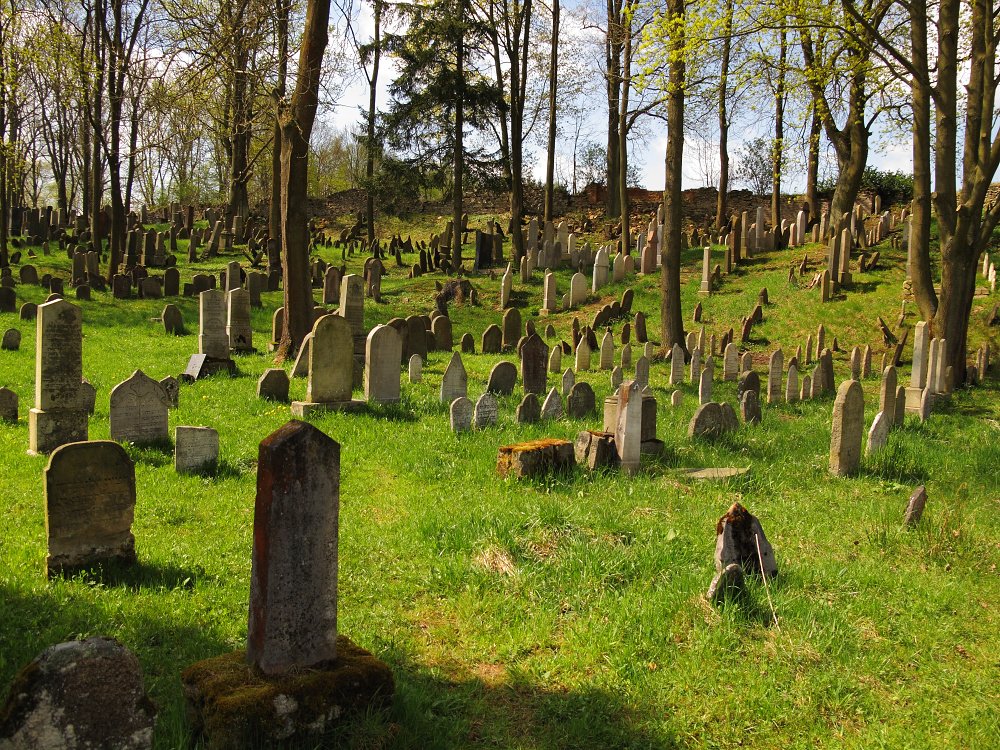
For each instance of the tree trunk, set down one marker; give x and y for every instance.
(812, 165)
(626, 236)
(920, 217)
(722, 204)
(671, 320)
(613, 52)
(274, 215)
(296, 119)
(459, 158)
(370, 135)
(550, 152)
(778, 148)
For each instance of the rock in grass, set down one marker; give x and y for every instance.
(738, 534)
(79, 695)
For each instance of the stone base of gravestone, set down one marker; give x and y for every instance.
(652, 447)
(535, 458)
(47, 430)
(596, 450)
(302, 409)
(231, 705)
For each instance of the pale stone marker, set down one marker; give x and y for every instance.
(900, 407)
(878, 433)
(383, 352)
(628, 429)
(293, 579)
(730, 363)
(331, 367)
(212, 338)
(492, 340)
(848, 428)
(485, 413)
(352, 303)
(89, 506)
(919, 374)
(455, 382)
(300, 368)
(138, 411)
(238, 327)
(460, 414)
(415, 369)
(568, 381)
(705, 387)
(676, 365)
(776, 365)
(195, 449)
(583, 355)
(887, 396)
(642, 371)
(552, 408)
(555, 358)
(607, 351)
(792, 386)
(58, 416)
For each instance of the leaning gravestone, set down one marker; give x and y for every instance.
(195, 449)
(58, 416)
(89, 506)
(139, 408)
(82, 695)
(273, 385)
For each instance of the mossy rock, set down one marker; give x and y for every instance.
(232, 705)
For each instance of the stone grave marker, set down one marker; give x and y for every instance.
(383, 352)
(581, 402)
(273, 385)
(552, 408)
(138, 411)
(485, 412)
(848, 426)
(89, 506)
(460, 413)
(196, 449)
(58, 416)
(454, 384)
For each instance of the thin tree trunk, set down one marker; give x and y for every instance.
(778, 148)
(722, 204)
(920, 218)
(274, 217)
(671, 320)
(296, 120)
(550, 152)
(626, 236)
(370, 135)
(459, 156)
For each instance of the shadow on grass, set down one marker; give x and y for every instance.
(495, 709)
(138, 576)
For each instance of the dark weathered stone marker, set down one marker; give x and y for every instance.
(293, 583)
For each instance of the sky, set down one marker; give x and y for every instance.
(889, 152)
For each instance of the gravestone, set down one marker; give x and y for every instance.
(775, 367)
(468, 344)
(485, 412)
(750, 407)
(383, 352)
(273, 385)
(238, 327)
(213, 340)
(138, 413)
(915, 506)
(552, 407)
(878, 433)
(8, 405)
(293, 580)
(628, 428)
(58, 416)
(676, 365)
(11, 340)
(848, 427)
(454, 384)
(792, 385)
(511, 329)
(173, 321)
(460, 414)
(534, 356)
(352, 303)
(583, 355)
(89, 506)
(492, 341)
(196, 449)
(331, 368)
(441, 327)
(503, 378)
(415, 368)
(581, 402)
(529, 410)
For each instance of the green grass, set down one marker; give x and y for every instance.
(566, 612)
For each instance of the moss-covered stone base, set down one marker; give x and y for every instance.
(231, 705)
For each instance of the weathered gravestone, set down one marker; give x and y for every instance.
(195, 449)
(581, 401)
(460, 414)
(273, 385)
(741, 548)
(139, 408)
(238, 328)
(383, 351)
(79, 695)
(8, 405)
(485, 413)
(492, 340)
(303, 679)
(331, 368)
(502, 379)
(848, 427)
(534, 356)
(529, 410)
(58, 416)
(415, 368)
(173, 321)
(455, 382)
(628, 429)
(11, 340)
(89, 506)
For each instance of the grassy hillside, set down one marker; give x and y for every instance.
(565, 613)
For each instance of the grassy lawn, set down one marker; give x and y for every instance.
(565, 613)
